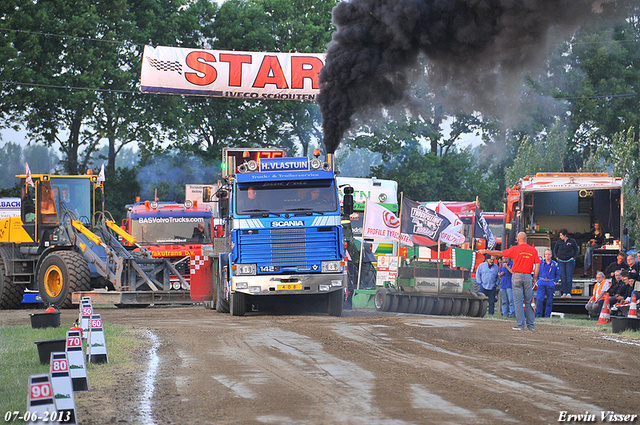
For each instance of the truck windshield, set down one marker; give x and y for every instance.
(286, 197)
(171, 230)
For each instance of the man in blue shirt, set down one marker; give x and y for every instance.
(547, 278)
(487, 279)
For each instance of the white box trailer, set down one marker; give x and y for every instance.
(541, 205)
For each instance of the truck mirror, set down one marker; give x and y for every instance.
(347, 201)
(223, 203)
(206, 194)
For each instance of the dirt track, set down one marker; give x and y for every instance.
(363, 368)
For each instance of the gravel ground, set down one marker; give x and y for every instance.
(202, 367)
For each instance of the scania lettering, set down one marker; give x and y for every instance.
(284, 233)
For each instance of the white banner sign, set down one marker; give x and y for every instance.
(380, 223)
(217, 73)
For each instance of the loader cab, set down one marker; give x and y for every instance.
(52, 200)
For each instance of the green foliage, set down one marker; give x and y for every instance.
(541, 155)
(622, 158)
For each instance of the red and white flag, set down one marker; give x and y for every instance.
(380, 223)
(29, 179)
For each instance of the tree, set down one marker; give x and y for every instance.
(544, 154)
(267, 26)
(75, 67)
(623, 158)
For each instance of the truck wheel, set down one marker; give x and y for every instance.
(222, 306)
(448, 307)
(61, 274)
(484, 304)
(438, 308)
(414, 304)
(457, 306)
(237, 304)
(403, 304)
(394, 303)
(474, 308)
(382, 300)
(464, 310)
(10, 293)
(334, 306)
(429, 303)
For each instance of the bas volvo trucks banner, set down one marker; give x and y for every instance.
(216, 73)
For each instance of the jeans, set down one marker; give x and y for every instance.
(566, 275)
(523, 290)
(587, 256)
(491, 293)
(545, 289)
(508, 307)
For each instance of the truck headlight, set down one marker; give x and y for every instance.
(244, 269)
(242, 285)
(336, 283)
(324, 288)
(331, 267)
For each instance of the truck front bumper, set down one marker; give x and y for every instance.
(289, 284)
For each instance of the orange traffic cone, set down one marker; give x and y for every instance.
(633, 308)
(605, 312)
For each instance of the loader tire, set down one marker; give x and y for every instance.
(237, 304)
(382, 300)
(10, 293)
(61, 274)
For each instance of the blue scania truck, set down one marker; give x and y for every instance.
(284, 233)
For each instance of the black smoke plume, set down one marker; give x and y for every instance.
(476, 51)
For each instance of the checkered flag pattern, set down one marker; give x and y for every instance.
(197, 261)
(165, 65)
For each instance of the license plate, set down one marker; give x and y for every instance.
(290, 287)
(577, 291)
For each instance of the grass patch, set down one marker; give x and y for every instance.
(579, 320)
(19, 359)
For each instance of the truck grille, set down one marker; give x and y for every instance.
(289, 248)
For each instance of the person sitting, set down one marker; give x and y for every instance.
(619, 264)
(198, 233)
(594, 305)
(621, 291)
(596, 241)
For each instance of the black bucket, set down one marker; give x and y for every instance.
(621, 324)
(45, 320)
(45, 348)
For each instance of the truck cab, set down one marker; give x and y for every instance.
(285, 234)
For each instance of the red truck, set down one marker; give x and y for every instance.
(178, 232)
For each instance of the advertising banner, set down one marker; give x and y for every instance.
(218, 73)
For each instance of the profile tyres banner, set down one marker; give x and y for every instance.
(218, 73)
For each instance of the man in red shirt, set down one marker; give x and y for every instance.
(525, 262)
